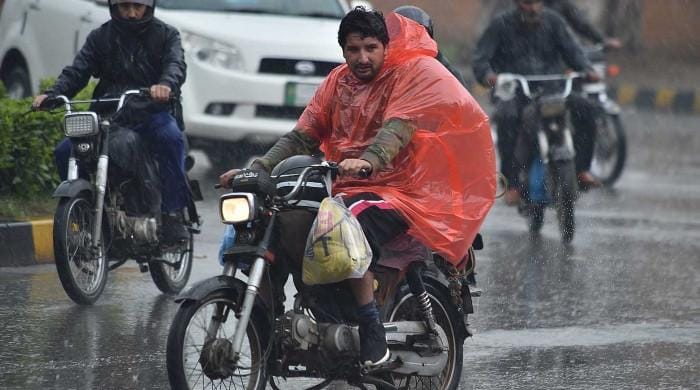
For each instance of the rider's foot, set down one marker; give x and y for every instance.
(172, 229)
(512, 197)
(586, 181)
(373, 347)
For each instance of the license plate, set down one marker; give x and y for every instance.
(299, 94)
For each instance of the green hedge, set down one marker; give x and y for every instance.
(27, 141)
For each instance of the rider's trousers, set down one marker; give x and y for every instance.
(166, 142)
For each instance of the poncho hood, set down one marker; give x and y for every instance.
(444, 181)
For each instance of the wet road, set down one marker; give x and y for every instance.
(619, 309)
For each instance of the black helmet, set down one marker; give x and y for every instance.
(314, 189)
(133, 27)
(418, 15)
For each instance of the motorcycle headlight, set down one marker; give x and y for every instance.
(213, 52)
(237, 207)
(80, 124)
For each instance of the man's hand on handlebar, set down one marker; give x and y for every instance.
(36, 104)
(160, 92)
(355, 167)
(225, 178)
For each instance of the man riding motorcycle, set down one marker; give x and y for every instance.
(400, 116)
(532, 40)
(130, 51)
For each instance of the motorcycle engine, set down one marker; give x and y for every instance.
(140, 229)
(299, 331)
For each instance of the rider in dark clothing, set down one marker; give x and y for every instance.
(530, 40)
(131, 51)
(581, 26)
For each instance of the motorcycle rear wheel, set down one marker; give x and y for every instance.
(446, 316)
(193, 363)
(610, 150)
(171, 279)
(81, 268)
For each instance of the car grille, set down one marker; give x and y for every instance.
(278, 112)
(290, 66)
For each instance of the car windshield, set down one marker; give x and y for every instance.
(312, 8)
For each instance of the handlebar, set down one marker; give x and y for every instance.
(55, 101)
(507, 82)
(324, 167)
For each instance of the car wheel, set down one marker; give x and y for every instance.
(17, 82)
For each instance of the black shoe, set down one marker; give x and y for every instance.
(373, 348)
(172, 230)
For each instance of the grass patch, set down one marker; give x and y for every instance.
(19, 209)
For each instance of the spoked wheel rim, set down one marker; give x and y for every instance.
(209, 364)
(86, 263)
(407, 309)
(178, 258)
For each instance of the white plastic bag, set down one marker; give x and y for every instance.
(336, 248)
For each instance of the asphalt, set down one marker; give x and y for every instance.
(653, 84)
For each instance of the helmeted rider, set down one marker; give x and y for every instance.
(401, 115)
(527, 40)
(421, 17)
(134, 50)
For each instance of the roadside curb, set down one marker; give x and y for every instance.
(684, 101)
(26, 243)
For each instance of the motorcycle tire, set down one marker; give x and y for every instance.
(447, 317)
(171, 279)
(81, 268)
(566, 192)
(610, 150)
(193, 363)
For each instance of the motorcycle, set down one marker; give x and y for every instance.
(610, 150)
(102, 218)
(551, 177)
(231, 331)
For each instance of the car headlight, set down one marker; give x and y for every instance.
(213, 52)
(237, 207)
(80, 124)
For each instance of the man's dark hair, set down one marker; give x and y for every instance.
(363, 22)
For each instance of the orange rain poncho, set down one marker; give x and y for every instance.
(444, 181)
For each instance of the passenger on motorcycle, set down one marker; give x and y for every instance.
(130, 51)
(579, 24)
(421, 17)
(533, 40)
(396, 112)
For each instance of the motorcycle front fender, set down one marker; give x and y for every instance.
(71, 188)
(204, 288)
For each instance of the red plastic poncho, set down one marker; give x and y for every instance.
(444, 181)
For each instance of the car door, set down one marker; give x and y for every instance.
(56, 28)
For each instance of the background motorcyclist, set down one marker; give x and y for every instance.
(533, 40)
(132, 50)
(420, 16)
(400, 115)
(580, 24)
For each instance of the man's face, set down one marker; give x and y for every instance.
(530, 10)
(131, 11)
(364, 56)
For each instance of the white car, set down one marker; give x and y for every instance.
(252, 65)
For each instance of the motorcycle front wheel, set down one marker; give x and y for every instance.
(566, 187)
(172, 275)
(446, 316)
(610, 150)
(82, 268)
(198, 361)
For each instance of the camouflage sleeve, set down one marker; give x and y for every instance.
(394, 135)
(291, 144)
